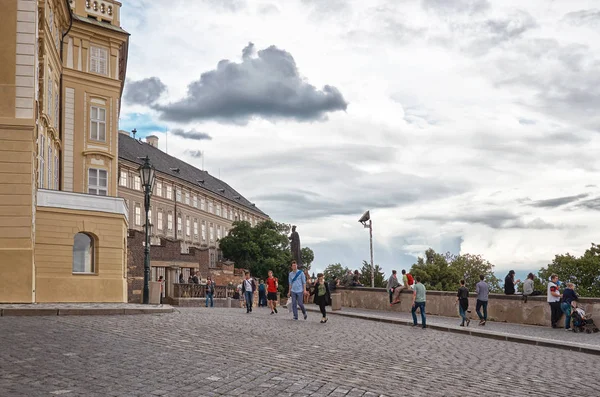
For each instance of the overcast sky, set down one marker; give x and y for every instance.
(467, 126)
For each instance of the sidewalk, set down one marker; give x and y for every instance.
(529, 334)
(80, 309)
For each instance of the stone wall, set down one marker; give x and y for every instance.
(511, 309)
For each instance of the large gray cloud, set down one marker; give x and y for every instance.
(267, 85)
(495, 219)
(558, 201)
(143, 92)
(191, 134)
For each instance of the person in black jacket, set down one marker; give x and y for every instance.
(569, 296)
(509, 283)
(462, 299)
(322, 295)
(248, 288)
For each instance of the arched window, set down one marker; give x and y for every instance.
(83, 253)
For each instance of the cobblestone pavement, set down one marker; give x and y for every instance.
(529, 331)
(226, 352)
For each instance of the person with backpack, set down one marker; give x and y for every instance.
(262, 294)
(407, 279)
(462, 299)
(248, 289)
(297, 281)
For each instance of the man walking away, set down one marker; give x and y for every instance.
(392, 284)
(554, 300)
(272, 286)
(210, 291)
(483, 291)
(509, 283)
(248, 288)
(462, 299)
(419, 302)
(297, 281)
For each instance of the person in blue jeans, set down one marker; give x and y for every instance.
(210, 291)
(248, 288)
(483, 292)
(297, 281)
(569, 296)
(419, 298)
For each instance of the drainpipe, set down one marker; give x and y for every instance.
(60, 92)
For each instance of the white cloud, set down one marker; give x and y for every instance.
(460, 115)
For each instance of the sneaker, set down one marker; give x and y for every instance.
(275, 309)
(295, 318)
(468, 322)
(484, 321)
(305, 316)
(481, 322)
(462, 325)
(272, 312)
(567, 329)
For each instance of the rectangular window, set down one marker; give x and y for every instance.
(187, 226)
(49, 106)
(138, 215)
(178, 195)
(203, 230)
(202, 204)
(149, 217)
(50, 178)
(98, 124)
(42, 162)
(196, 228)
(169, 192)
(219, 232)
(137, 183)
(170, 222)
(225, 212)
(56, 115)
(210, 207)
(98, 60)
(187, 198)
(56, 173)
(179, 226)
(159, 189)
(159, 220)
(97, 182)
(123, 178)
(218, 209)
(212, 233)
(195, 201)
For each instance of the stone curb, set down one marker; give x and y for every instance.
(82, 311)
(482, 334)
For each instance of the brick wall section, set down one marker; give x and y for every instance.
(170, 251)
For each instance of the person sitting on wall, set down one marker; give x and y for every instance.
(356, 280)
(509, 283)
(528, 287)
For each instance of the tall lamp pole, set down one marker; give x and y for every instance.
(147, 175)
(368, 223)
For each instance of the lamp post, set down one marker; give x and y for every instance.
(147, 176)
(364, 219)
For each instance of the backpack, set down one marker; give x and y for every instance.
(410, 279)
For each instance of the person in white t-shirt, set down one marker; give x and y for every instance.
(554, 300)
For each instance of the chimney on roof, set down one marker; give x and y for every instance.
(152, 140)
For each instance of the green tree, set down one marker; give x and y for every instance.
(335, 270)
(435, 271)
(469, 267)
(365, 275)
(308, 256)
(583, 271)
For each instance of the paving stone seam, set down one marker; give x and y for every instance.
(81, 312)
(489, 335)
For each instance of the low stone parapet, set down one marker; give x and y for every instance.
(504, 308)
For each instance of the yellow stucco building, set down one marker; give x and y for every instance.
(63, 230)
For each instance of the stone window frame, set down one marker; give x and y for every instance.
(90, 252)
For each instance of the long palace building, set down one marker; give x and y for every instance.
(68, 180)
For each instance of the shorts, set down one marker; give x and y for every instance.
(272, 296)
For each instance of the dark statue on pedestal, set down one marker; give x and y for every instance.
(295, 246)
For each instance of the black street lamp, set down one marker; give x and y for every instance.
(147, 176)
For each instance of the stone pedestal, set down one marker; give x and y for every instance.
(336, 301)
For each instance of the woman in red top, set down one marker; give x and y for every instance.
(272, 285)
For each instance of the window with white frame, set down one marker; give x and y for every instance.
(56, 115)
(98, 124)
(179, 225)
(41, 160)
(169, 192)
(123, 178)
(203, 230)
(195, 201)
(137, 183)
(212, 232)
(202, 204)
(159, 189)
(50, 161)
(98, 60)
(187, 226)
(49, 89)
(219, 232)
(210, 206)
(83, 253)
(138, 215)
(56, 172)
(97, 182)
(170, 222)
(159, 220)
(225, 212)
(187, 198)
(178, 195)
(218, 213)
(195, 228)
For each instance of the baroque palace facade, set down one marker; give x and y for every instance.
(68, 178)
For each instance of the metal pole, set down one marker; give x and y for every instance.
(371, 243)
(147, 249)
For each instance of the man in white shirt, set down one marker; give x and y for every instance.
(554, 300)
(248, 288)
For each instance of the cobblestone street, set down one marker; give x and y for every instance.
(226, 352)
